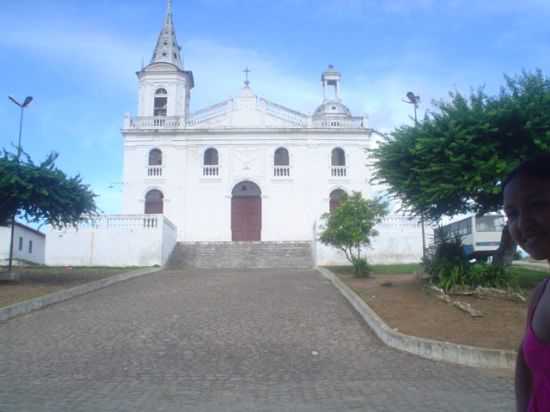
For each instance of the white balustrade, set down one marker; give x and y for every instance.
(298, 119)
(154, 171)
(156, 123)
(211, 171)
(106, 222)
(345, 123)
(281, 171)
(339, 171)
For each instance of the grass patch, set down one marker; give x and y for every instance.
(397, 269)
(528, 278)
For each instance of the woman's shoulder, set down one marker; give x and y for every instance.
(535, 296)
(537, 292)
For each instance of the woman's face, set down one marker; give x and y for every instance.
(527, 206)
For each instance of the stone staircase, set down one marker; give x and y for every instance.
(242, 255)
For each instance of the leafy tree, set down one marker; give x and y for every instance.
(42, 192)
(350, 227)
(454, 161)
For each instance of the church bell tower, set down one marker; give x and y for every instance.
(164, 85)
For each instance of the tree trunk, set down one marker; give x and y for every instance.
(506, 250)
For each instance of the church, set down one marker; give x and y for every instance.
(246, 169)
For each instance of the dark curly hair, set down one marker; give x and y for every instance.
(538, 166)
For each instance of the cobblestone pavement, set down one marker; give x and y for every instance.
(223, 341)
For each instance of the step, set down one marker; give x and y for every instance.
(242, 255)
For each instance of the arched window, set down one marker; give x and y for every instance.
(155, 157)
(336, 198)
(161, 102)
(211, 157)
(154, 202)
(338, 161)
(211, 163)
(281, 157)
(338, 157)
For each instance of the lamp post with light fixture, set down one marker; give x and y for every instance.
(415, 101)
(22, 107)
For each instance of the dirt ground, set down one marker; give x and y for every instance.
(38, 281)
(415, 310)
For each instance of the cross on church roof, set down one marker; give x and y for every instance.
(246, 72)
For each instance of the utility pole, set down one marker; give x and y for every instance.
(415, 101)
(22, 107)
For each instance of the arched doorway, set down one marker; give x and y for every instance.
(246, 212)
(336, 198)
(154, 202)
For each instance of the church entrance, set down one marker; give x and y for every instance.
(246, 212)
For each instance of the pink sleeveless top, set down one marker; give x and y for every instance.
(537, 358)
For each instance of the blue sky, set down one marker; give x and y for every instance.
(78, 59)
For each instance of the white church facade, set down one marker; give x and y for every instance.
(247, 169)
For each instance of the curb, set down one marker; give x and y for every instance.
(423, 347)
(31, 305)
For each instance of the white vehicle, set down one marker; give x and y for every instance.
(480, 234)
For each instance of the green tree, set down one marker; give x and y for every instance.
(350, 227)
(454, 161)
(41, 192)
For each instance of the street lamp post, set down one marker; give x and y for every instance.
(415, 101)
(22, 107)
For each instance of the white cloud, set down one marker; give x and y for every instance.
(107, 55)
(219, 75)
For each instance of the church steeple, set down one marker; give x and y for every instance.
(168, 49)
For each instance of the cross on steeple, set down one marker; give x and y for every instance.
(246, 72)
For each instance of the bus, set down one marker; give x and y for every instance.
(480, 234)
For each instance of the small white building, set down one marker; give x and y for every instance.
(28, 245)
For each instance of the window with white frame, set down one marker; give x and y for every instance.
(211, 166)
(282, 163)
(338, 163)
(154, 202)
(337, 196)
(154, 168)
(161, 103)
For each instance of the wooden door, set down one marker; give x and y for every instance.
(246, 218)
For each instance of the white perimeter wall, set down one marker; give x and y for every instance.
(22, 237)
(399, 241)
(113, 241)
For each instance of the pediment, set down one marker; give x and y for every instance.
(247, 111)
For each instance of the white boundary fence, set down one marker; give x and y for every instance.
(399, 241)
(113, 240)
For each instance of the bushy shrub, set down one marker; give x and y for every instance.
(490, 276)
(361, 268)
(449, 267)
(447, 261)
(453, 276)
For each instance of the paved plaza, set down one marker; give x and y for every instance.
(262, 340)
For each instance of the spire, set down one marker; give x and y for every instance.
(168, 49)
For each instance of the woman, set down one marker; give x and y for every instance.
(527, 206)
